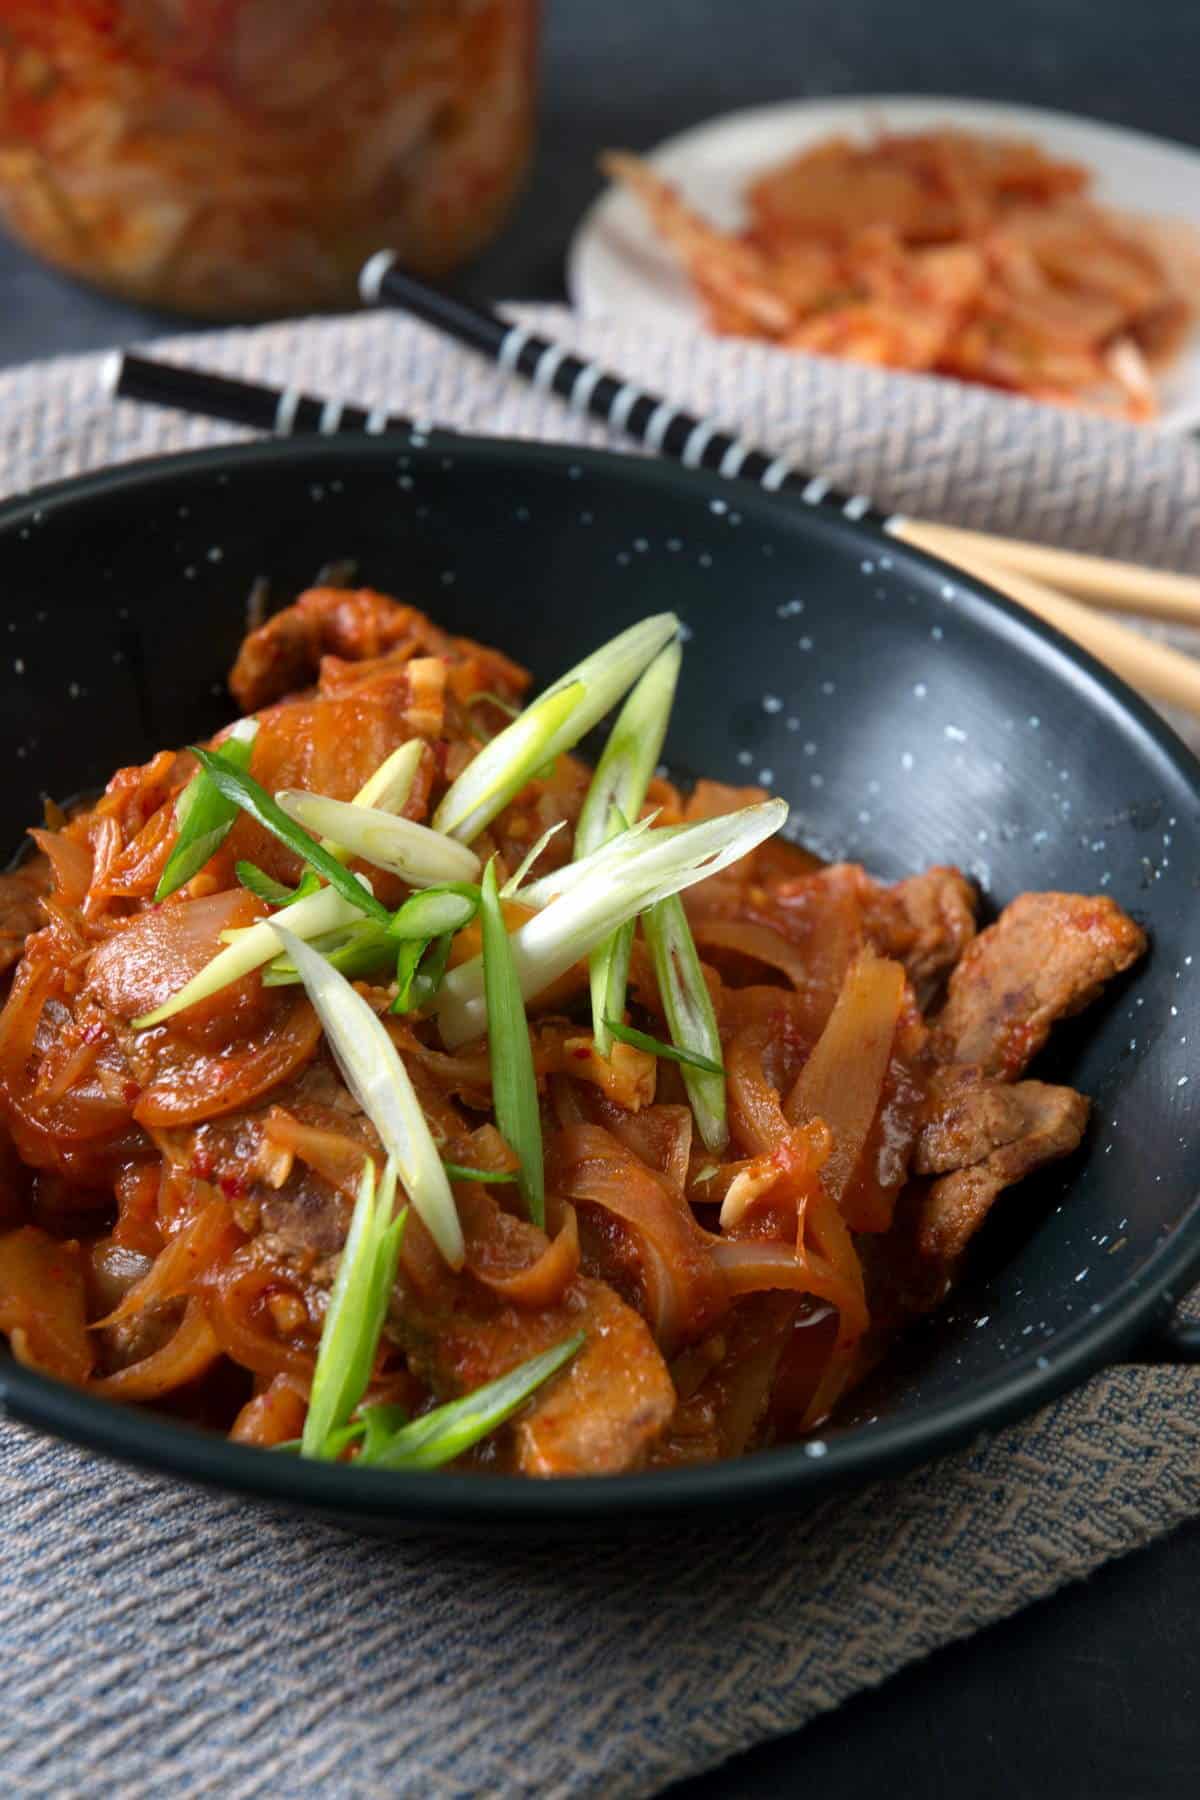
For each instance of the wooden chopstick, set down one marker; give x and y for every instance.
(1157, 669)
(1166, 673)
(1124, 586)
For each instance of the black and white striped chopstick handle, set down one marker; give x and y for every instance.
(285, 412)
(660, 426)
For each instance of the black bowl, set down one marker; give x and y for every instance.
(907, 714)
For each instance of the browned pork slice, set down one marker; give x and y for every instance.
(21, 893)
(284, 654)
(599, 1416)
(979, 1135)
(925, 922)
(1047, 956)
(816, 922)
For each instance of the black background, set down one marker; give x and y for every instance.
(1095, 1692)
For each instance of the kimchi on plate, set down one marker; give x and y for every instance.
(382, 1083)
(946, 251)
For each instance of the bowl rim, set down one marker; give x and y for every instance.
(789, 1474)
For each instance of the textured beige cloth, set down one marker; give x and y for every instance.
(158, 1640)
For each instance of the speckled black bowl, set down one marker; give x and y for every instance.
(907, 715)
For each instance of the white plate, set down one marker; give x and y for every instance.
(616, 264)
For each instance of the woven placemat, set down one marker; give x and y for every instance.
(159, 1640)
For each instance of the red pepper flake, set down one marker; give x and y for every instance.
(93, 1034)
(582, 1055)
(131, 1092)
(232, 1186)
(201, 1166)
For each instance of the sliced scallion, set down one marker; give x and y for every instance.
(378, 1425)
(504, 706)
(540, 893)
(505, 764)
(554, 722)
(426, 925)
(438, 1437)
(264, 887)
(514, 1083)
(486, 695)
(375, 1074)
(512, 885)
(615, 796)
(388, 1439)
(387, 789)
(688, 1006)
(420, 968)
(358, 950)
(436, 910)
(357, 1308)
(460, 1172)
(254, 799)
(623, 879)
(418, 855)
(203, 816)
(642, 1040)
(608, 978)
(391, 784)
(630, 756)
(249, 948)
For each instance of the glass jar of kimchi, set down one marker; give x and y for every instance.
(242, 157)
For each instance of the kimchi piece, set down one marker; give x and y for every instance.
(946, 251)
(179, 1181)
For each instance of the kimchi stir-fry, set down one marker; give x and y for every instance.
(382, 1083)
(967, 255)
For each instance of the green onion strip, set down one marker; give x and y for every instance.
(390, 1441)
(245, 792)
(358, 1303)
(376, 1076)
(203, 816)
(642, 1040)
(616, 795)
(514, 1084)
(438, 1437)
(462, 1172)
(630, 873)
(554, 722)
(250, 947)
(688, 1007)
(418, 855)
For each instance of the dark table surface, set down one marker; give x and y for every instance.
(1096, 1691)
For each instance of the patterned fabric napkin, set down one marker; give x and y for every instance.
(162, 1640)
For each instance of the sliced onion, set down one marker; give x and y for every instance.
(842, 1081)
(208, 1238)
(187, 1354)
(537, 1284)
(682, 1289)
